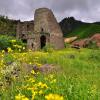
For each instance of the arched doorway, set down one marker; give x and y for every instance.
(43, 41)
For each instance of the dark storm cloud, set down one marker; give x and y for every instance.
(86, 10)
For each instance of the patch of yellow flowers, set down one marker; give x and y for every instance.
(54, 97)
(21, 97)
(9, 50)
(35, 88)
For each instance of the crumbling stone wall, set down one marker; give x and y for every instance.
(24, 28)
(25, 32)
(44, 25)
(45, 22)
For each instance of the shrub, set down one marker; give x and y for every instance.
(10, 42)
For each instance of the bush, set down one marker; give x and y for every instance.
(10, 42)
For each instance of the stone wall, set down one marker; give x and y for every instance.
(45, 22)
(44, 25)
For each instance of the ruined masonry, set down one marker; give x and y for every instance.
(42, 31)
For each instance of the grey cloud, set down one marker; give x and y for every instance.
(86, 10)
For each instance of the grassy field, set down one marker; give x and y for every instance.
(76, 75)
(85, 30)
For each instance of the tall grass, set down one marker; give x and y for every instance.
(77, 75)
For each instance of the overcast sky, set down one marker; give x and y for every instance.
(85, 10)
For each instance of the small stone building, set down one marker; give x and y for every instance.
(42, 31)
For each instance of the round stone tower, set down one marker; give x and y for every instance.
(47, 29)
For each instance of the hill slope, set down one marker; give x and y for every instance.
(72, 27)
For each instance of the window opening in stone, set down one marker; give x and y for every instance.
(42, 30)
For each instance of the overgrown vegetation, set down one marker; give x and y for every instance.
(7, 26)
(77, 76)
(76, 73)
(7, 42)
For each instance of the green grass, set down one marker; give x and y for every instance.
(85, 30)
(78, 75)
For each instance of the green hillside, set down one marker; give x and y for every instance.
(85, 31)
(72, 27)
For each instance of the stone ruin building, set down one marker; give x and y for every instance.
(42, 31)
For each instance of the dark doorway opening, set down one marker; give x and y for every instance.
(43, 41)
(24, 40)
(32, 45)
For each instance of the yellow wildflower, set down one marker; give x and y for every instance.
(3, 51)
(54, 97)
(33, 72)
(21, 97)
(42, 85)
(40, 92)
(31, 80)
(39, 65)
(13, 41)
(9, 49)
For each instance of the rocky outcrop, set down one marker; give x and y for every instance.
(81, 43)
(95, 37)
(70, 40)
(86, 42)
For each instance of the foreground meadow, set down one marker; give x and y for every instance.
(69, 74)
